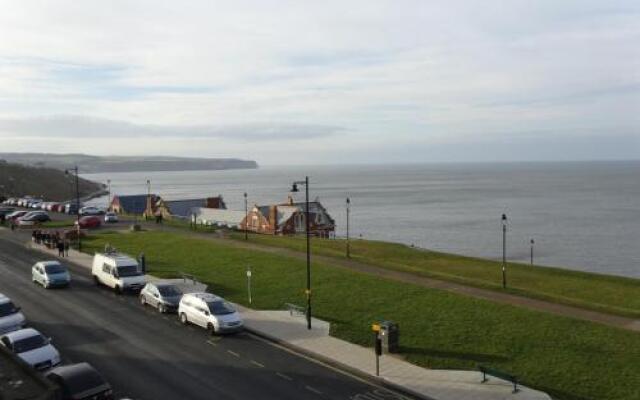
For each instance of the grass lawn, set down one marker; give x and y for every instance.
(610, 294)
(59, 224)
(568, 358)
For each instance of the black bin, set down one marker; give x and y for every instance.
(390, 335)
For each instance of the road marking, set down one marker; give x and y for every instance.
(283, 376)
(233, 353)
(212, 343)
(312, 389)
(257, 364)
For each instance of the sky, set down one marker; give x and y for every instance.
(302, 82)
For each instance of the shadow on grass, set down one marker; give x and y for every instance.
(477, 357)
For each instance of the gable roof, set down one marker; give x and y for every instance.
(182, 208)
(134, 204)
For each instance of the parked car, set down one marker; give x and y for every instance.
(11, 319)
(34, 349)
(33, 218)
(15, 215)
(110, 216)
(90, 210)
(209, 311)
(117, 271)
(58, 207)
(162, 295)
(50, 274)
(89, 222)
(71, 208)
(80, 382)
(6, 210)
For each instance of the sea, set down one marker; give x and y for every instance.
(581, 215)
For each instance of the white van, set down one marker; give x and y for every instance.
(117, 271)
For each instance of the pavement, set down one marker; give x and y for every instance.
(290, 331)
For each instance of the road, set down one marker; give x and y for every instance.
(148, 356)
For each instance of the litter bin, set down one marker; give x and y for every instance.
(390, 335)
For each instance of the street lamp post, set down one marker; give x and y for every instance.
(348, 244)
(146, 216)
(504, 251)
(532, 243)
(108, 194)
(294, 189)
(246, 217)
(75, 172)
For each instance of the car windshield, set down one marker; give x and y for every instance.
(28, 344)
(169, 291)
(7, 309)
(55, 269)
(128, 270)
(220, 308)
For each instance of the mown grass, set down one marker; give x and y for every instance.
(58, 224)
(570, 359)
(611, 294)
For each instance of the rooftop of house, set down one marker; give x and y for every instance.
(133, 204)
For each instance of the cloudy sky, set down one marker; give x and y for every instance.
(291, 82)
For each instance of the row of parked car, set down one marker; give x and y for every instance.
(76, 381)
(122, 274)
(40, 204)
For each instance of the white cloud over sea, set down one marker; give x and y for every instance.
(319, 82)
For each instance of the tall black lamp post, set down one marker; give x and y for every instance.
(75, 172)
(246, 217)
(146, 216)
(294, 189)
(108, 194)
(504, 251)
(348, 244)
(532, 243)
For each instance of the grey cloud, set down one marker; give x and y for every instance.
(87, 127)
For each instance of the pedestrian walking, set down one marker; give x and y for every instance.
(34, 233)
(60, 245)
(66, 247)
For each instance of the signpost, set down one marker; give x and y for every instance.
(378, 345)
(249, 282)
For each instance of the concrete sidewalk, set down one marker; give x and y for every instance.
(291, 331)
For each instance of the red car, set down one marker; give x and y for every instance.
(89, 222)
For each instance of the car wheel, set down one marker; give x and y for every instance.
(161, 308)
(96, 280)
(143, 301)
(117, 289)
(211, 328)
(183, 319)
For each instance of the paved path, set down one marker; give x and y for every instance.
(486, 294)
(291, 332)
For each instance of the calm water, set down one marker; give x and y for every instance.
(583, 216)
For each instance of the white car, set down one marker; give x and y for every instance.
(50, 273)
(90, 210)
(117, 271)
(11, 319)
(110, 216)
(33, 348)
(209, 311)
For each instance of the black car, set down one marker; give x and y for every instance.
(80, 382)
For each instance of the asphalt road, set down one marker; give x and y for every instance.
(148, 356)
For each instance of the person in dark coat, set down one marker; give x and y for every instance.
(60, 245)
(66, 247)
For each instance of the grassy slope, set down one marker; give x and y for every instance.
(569, 358)
(611, 294)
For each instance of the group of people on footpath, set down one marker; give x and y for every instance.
(52, 239)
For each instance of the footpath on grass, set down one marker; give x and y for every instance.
(632, 324)
(291, 331)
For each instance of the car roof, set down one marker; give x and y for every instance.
(204, 296)
(22, 334)
(45, 263)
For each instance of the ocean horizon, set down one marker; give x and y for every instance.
(582, 215)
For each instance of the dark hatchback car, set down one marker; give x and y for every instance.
(80, 382)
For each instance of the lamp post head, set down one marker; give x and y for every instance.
(245, 195)
(294, 188)
(504, 219)
(532, 241)
(348, 201)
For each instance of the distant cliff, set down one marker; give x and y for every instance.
(95, 164)
(47, 183)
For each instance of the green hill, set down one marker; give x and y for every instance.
(47, 183)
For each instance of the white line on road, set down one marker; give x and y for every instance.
(212, 343)
(233, 353)
(257, 364)
(314, 390)
(283, 376)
